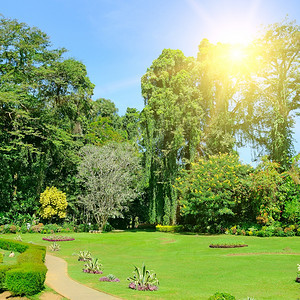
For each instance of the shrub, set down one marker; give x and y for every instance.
(221, 296)
(214, 192)
(93, 266)
(54, 247)
(84, 255)
(13, 228)
(36, 228)
(28, 275)
(26, 279)
(171, 228)
(53, 203)
(143, 280)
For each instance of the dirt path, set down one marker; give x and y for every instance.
(57, 278)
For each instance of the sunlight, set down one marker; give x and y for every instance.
(237, 53)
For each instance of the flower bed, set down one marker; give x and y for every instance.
(92, 271)
(227, 246)
(109, 279)
(133, 286)
(58, 238)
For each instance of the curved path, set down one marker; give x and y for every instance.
(58, 279)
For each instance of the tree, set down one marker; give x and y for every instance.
(220, 78)
(171, 128)
(274, 91)
(44, 103)
(130, 123)
(110, 176)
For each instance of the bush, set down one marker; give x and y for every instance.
(28, 275)
(221, 296)
(26, 279)
(54, 203)
(214, 192)
(169, 228)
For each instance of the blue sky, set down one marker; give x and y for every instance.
(117, 40)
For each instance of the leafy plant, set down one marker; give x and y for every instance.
(84, 255)
(93, 266)
(54, 247)
(143, 280)
(54, 203)
(110, 278)
(298, 273)
(18, 238)
(221, 296)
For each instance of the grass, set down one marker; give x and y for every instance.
(185, 265)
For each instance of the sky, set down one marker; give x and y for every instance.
(117, 40)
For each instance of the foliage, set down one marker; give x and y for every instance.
(93, 266)
(28, 275)
(274, 90)
(53, 203)
(1, 257)
(213, 192)
(84, 255)
(54, 247)
(221, 296)
(170, 128)
(19, 238)
(110, 278)
(143, 280)
(99, 170)
(169, 228)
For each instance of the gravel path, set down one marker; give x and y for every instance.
(58, 279)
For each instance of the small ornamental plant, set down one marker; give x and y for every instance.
(110, 278)
(84, 256)
(298, 273)
(93, 266)
(58, 238)
(54, 247)
(143, 280)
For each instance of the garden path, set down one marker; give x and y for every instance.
(57, 278)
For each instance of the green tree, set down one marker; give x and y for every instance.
(170, 128)
(110, 176)
(43, 99)
(274, 91)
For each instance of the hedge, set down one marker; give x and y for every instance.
(172, 228)
(28, 275)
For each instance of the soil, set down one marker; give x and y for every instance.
(227, 246)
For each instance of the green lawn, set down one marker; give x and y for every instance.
(186, 267)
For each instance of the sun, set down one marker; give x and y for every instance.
(237, 53)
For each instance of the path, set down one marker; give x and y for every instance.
(58, 279)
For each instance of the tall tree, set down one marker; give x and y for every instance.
(274, 90)
(170, 128)
(37, 146)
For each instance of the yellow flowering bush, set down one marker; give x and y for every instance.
(53, 203)
(214, 192)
